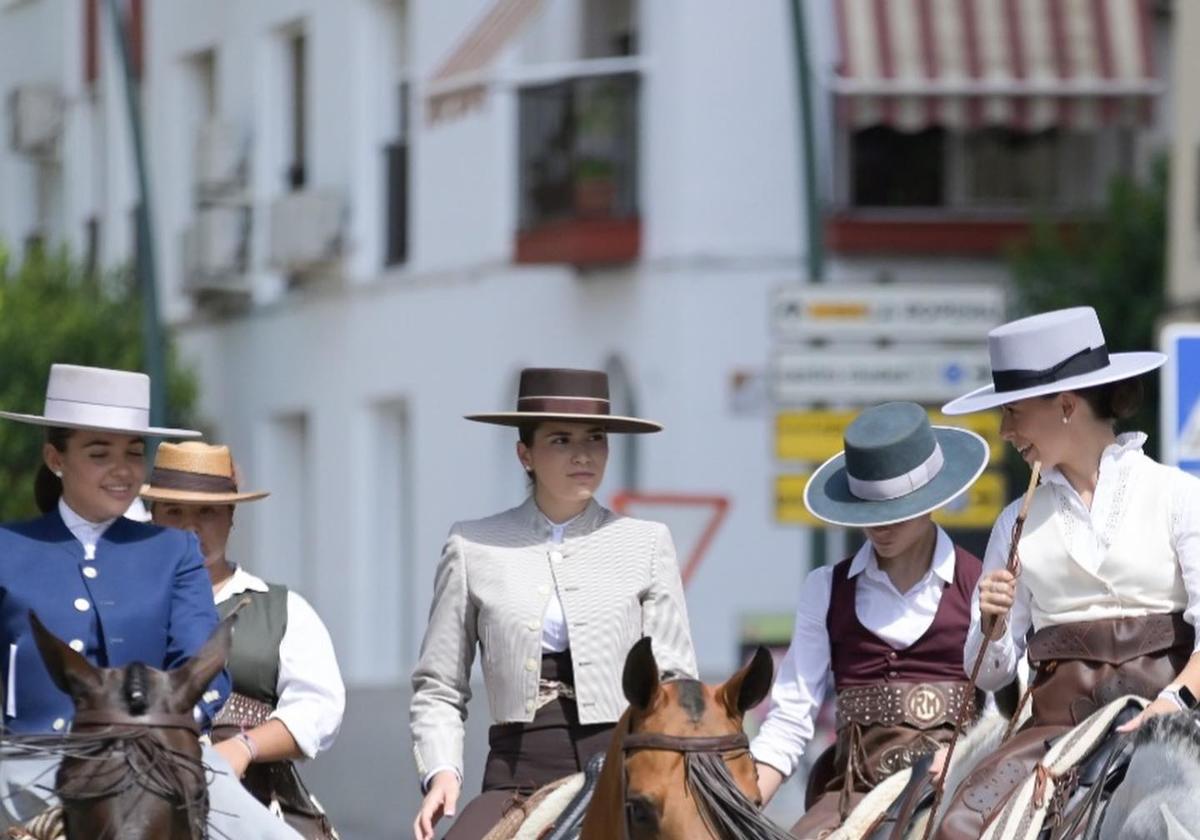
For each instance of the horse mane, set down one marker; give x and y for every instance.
(1180, 730)
(607, 798)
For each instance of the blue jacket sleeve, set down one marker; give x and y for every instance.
(193, 619)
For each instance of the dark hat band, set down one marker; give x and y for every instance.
(1088, 360)
(167, 479)
(563, 405)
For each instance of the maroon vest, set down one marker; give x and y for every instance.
(859, 657)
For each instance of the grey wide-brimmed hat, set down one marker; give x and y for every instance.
(1057, 351)
(98, 399)
(573, 396)
(895, 467)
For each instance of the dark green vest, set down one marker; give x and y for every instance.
(257, 633)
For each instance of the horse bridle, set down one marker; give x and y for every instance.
(150, 720)
(686, 745)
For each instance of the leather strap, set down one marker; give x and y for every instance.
(675, 743)
(150, 720)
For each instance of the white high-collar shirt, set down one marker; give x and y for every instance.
(312, 697)
(554, 623)
(898, 618)
(88, 533)
(1088, 533)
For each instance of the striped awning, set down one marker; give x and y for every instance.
(460, 81)
(1024, 64)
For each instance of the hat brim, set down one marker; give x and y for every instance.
(146, 431)
(827, 494)
(196, 497)
(609, 422)
(1120, 366)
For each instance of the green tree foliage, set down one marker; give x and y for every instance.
(1115, 263)
(51, 310)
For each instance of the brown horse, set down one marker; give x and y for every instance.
(679, 766)
(131, 766)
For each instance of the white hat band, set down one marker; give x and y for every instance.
(75, 413)
(885, 489)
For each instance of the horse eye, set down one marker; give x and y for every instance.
(642, 812)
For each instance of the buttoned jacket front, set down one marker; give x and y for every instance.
(144, 597)
(618, 581)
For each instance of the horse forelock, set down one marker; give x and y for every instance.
(136, 688)
(689, 694)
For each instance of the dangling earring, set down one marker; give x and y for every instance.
(1066, 419)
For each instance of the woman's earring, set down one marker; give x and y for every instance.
(1066, 419)
(58, 473)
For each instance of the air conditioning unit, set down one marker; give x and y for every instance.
(215, 250)
(307, 230)
(220, 158)
(36, 113)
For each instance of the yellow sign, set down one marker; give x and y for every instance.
(978, 508)
(816, 436)
(789, 502)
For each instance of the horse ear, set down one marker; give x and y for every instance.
(746, 689)
(640, 678)
(190, 680)
(71, 672)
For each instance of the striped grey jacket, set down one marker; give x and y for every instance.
(618, 581)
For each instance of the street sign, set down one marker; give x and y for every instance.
(1180, 396)
(861, 311)
(816, 436)
(865, 375)
(978, 508)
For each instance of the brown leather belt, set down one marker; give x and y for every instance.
(1113, 641)
(920, 705)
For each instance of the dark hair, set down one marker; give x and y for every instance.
(1114, 401)
(47, 487)
(525, 433)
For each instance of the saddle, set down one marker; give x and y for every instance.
(544, 816)
(570, 821)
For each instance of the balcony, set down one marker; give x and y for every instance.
(577, 185)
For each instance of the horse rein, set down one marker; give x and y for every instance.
(685, 745)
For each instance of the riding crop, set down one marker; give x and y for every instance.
(1014, 568)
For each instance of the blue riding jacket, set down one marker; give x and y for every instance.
(144, 597)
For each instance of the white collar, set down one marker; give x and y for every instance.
(241, 581)
(559, 525)
(76, 523)
(1114, 453)
(942, 563)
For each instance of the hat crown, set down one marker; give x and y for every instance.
(887, 441)
(97, 386)
(1042, 341)
(563, 382)
(195, 457)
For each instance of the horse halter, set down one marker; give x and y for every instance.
(688, 746)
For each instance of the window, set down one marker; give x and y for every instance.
(396, 165)
(987, 169)
(578, 148)
(297, 96)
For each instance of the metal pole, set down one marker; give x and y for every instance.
(152, 336)
(813, 231)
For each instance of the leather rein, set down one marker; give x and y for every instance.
(150, 720)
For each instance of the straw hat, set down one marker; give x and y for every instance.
(574, 396)
(98, 399)
(895, 467)
(1057, 351)
(194, 473)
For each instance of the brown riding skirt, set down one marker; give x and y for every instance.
(525, 756)
(1080, 668)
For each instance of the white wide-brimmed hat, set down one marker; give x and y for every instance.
(100, 400)
(1057, 351)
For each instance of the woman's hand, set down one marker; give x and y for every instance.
(769, 780)
(1161, 706)
(440, 801)
(938, 764)
(996, 592)
(236, 754)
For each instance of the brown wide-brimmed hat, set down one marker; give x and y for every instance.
(573, 396)
(195, 474)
